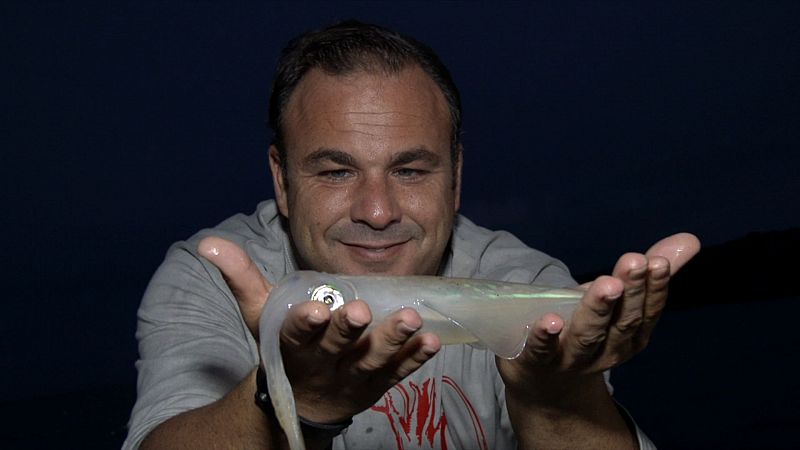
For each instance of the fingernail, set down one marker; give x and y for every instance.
(637, 273)
(210, 251)
(429, 351)
(354, 323)
(315, 317)
(404, 328)
(659, 272)
(553, 327)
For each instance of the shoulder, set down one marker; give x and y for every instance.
(193, 344)
(260, 234)
(478, 252)
(185, 279)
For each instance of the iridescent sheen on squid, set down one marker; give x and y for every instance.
(491, 314)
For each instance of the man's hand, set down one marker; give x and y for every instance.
(613, 322)
(336, 368)
(555, 391)
(246, 283)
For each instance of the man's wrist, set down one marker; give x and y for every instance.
(558, 390)
(309, 428)
(263, 401)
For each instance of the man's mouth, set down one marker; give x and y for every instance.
(375, 251)
(374, 246)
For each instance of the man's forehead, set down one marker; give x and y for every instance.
(374, 104)
(375, 96)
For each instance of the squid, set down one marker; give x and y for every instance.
(486, 314)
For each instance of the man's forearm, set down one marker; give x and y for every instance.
(232, 422)
(572, 419)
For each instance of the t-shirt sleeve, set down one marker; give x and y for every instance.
(193, 344)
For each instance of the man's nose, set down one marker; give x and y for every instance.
(375, 203)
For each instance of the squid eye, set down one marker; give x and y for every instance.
(328, 295)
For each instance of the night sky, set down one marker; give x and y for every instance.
(590, 129)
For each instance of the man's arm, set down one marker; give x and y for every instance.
(233, 422)
(582, 416)
(559, 405)
(193, 346)
(555, 390)
(336, 369)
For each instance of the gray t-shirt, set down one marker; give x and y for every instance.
(194, 346)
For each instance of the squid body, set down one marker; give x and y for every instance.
(491, 314)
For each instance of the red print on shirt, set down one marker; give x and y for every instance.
(411, 411)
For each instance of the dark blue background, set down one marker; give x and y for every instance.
(590, 129)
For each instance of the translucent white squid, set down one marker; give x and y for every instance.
(492, 314)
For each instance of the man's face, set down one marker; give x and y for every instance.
(370, 187)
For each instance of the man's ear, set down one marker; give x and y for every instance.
(278, 180)
(459, 162)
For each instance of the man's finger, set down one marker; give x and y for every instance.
(632, 270)
(304, 324)
(386, 340)
(587, 331)
(417, 351)
(658, 277)
(245, 281)
(678, 249)
(347, 325)
(543, 339)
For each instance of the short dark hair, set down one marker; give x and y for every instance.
(351, 46)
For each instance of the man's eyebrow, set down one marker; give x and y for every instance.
(417, 154)
(329, 154)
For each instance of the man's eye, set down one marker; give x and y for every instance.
(336, 175)
(406, 172)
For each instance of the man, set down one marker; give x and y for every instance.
(366, 165)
